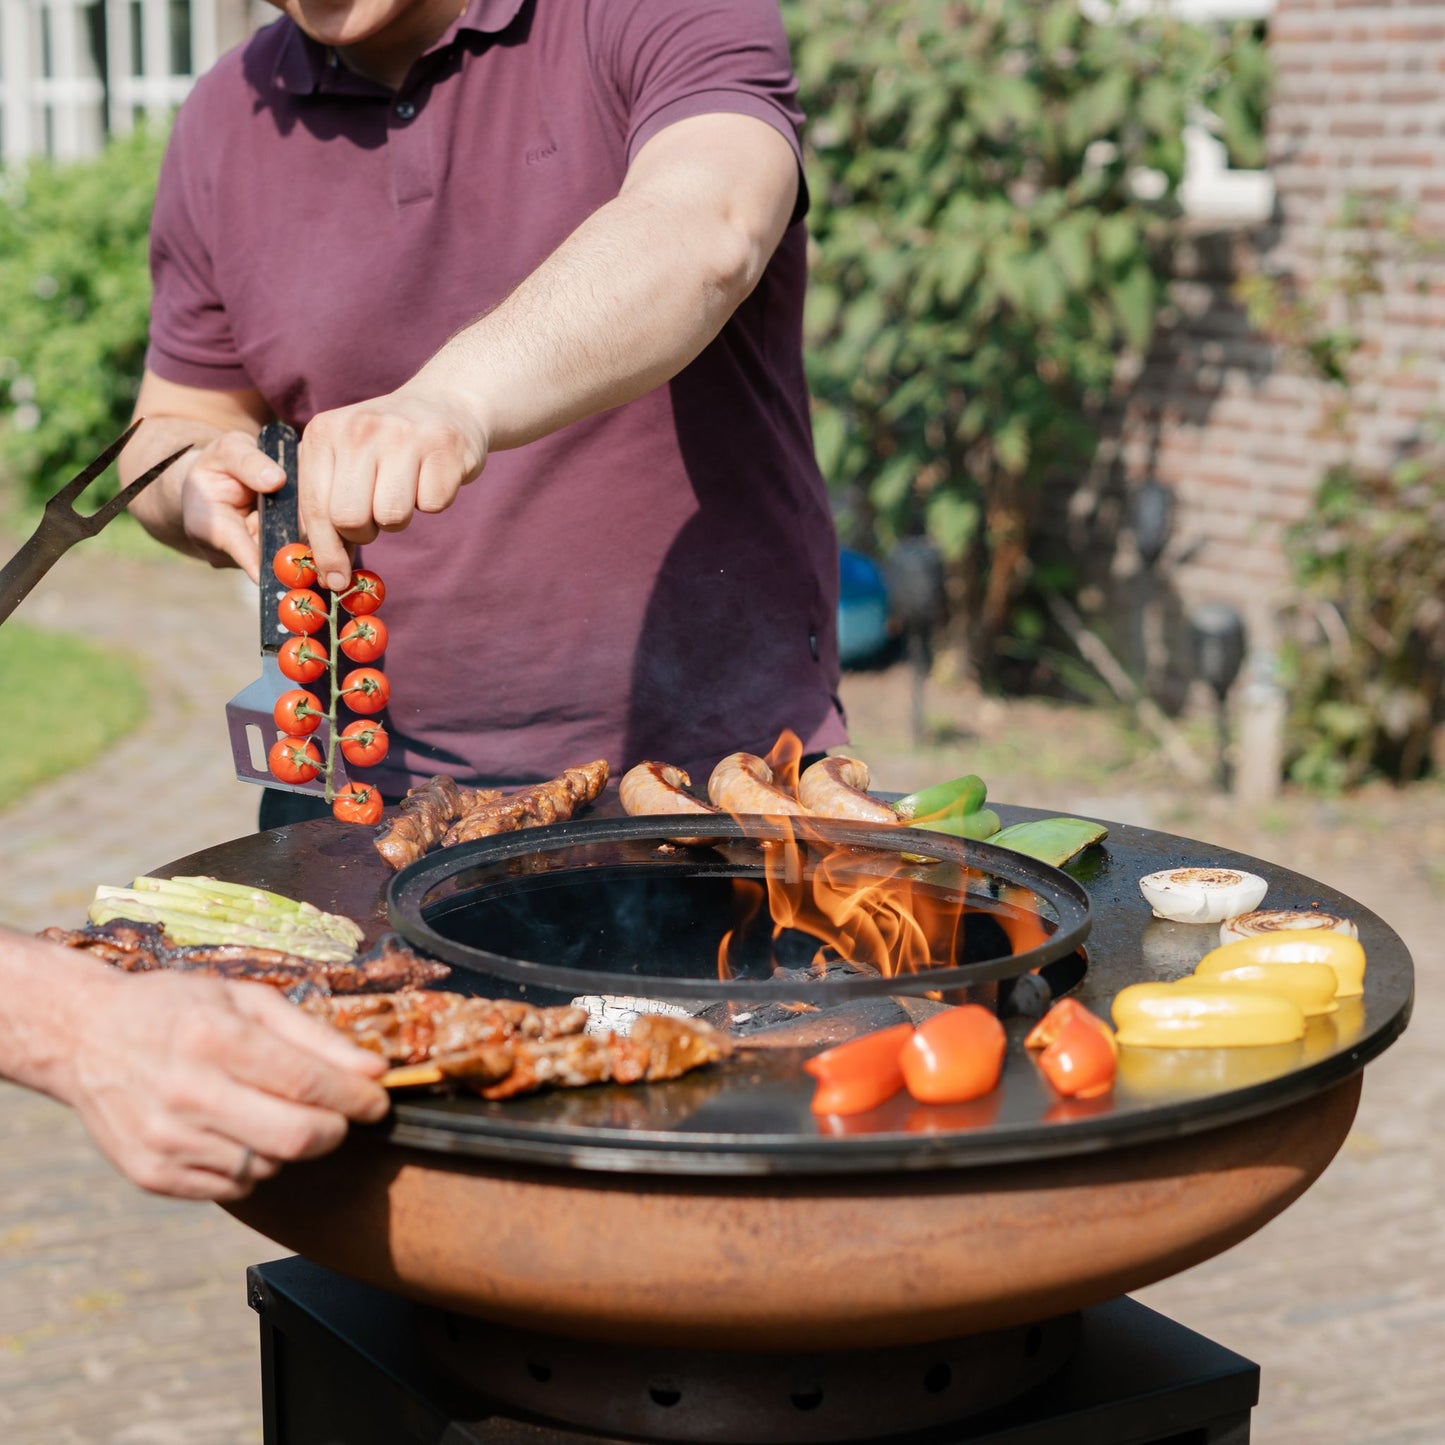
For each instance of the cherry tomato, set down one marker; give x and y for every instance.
(302, 659)
(363, 639)
(366, 593)
(298, 712)
(294, 760)
(360, 803)
(364, 743)
(955, 1056)
(365, 690)
(1080, 1054)
(302, 610)
(294, 566)
(860, 1074)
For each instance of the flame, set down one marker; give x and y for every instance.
(867, 909)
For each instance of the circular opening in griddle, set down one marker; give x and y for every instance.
(619, 906)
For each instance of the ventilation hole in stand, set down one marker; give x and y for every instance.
(938, 1378)
(1033, 1341)
(539, 1372)
(808, 1398)
(665, 1395)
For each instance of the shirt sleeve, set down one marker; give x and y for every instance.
(191, 342)
(669, 60)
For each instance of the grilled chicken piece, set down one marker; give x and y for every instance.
(135, 947)
(657, 1048)
(551, 802)
(424, 816)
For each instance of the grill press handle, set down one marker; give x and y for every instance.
(280, 526)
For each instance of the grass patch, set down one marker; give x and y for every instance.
(66, 701)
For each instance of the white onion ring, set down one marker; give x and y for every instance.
(1202, 895)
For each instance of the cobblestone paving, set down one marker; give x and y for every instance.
(122, 1316)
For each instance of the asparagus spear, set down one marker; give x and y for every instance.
(205, 894)
(187, 928)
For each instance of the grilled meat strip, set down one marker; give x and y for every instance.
(411, 1027)
(551, 802)
(424, 816)
(142, 947)
(657, 1048)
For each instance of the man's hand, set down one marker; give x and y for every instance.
(204, 505)
(199, 1088)
(219, 520)
(366, 468)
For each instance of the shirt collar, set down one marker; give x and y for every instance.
(302, 63)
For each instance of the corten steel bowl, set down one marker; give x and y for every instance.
(601, 1214)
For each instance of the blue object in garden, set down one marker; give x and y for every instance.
(862, 609)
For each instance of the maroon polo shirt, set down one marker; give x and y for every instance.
(658, 581)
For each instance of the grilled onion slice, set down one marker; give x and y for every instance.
(1202, 895)
(1264, 921)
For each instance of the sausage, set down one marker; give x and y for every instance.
(743, 783)
(658, 788)
(838, 788)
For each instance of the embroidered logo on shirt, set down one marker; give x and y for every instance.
(541, 153)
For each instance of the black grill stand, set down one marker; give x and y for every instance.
(343, 1364)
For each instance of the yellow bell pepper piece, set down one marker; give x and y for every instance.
(1310, 985)
(1300, 945)
(1199, 1014)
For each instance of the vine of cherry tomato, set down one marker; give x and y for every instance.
(364, 743)
(305, 657)
(363, 639)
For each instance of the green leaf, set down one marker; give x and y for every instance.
(952, 521)
(1135, 301)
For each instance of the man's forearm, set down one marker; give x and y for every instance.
(631, 297)
(42, 985)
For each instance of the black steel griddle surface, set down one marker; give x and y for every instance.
(750, 1115)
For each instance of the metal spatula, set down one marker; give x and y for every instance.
(249, 714)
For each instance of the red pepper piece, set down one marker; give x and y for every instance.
(1079, 1055)
(860, 1074)
(956, 1056)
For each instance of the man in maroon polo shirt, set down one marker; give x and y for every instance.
(552, 249)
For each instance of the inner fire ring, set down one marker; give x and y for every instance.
(621, 906)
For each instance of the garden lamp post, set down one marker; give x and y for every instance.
(1152, 519)
(914, 573)
(1218, 631)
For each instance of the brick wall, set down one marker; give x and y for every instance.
(1216, 414)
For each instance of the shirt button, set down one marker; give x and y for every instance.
(405, 110)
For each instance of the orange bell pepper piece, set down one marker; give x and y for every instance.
(860, 1074)
(956, 1056)
(1079, 1053)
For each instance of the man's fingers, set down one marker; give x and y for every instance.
(317, 463)
(263, 1004)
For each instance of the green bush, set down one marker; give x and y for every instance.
(74, 298)
(1367, 679)
(986, 249)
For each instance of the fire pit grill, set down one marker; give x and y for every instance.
(712, 1213)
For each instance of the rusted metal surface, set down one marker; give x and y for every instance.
(791, 1263)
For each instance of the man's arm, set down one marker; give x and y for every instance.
(204, 505)
(631, 297)
(191, 1086)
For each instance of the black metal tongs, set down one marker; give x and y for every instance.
(62, 526)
